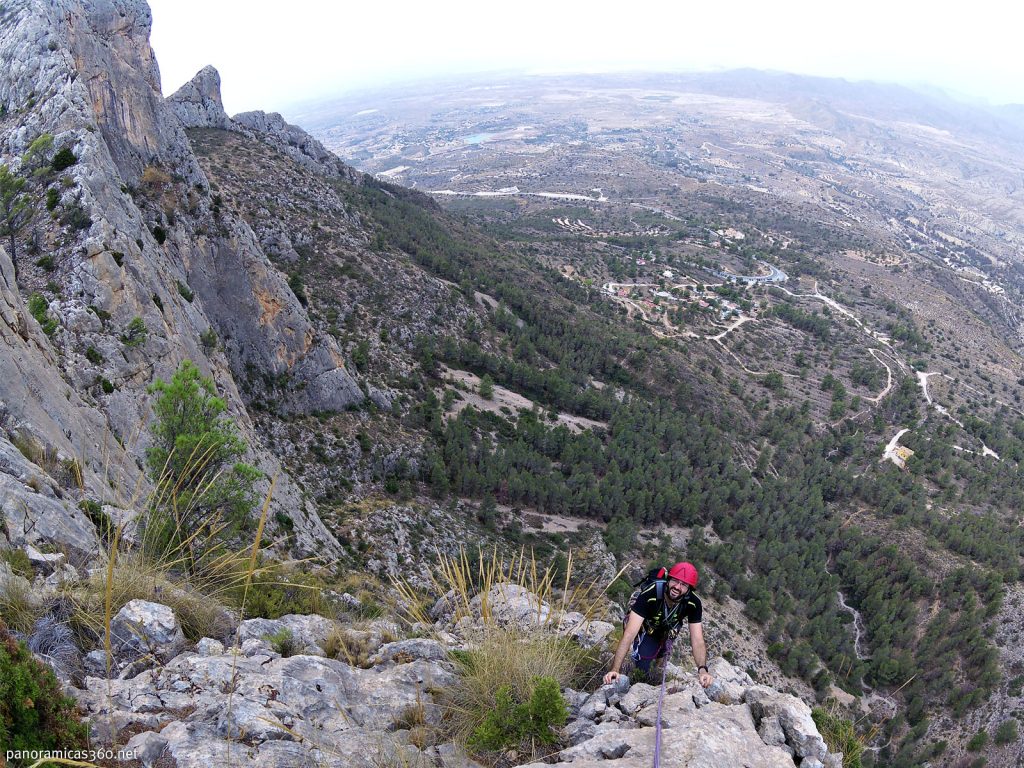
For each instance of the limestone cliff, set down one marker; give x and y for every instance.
(135, 233)
(198, 104)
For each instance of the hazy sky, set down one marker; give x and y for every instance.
(273, 55)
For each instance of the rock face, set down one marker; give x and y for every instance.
(150, 244)
(249, 702)
(301, 710)
(197, 103)
(613, 730)
(142, 628)
(294, 142)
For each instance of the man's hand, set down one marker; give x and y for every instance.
(611, 677)
(705, 678)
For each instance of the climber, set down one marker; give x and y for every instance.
(655, 615)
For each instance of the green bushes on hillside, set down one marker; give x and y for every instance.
(34, 713)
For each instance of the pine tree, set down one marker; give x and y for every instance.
(194, 460)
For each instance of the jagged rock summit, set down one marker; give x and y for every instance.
(198, 103)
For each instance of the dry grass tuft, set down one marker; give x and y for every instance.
(511, 656)
(18, 604)
(351, 646)
(131, 577)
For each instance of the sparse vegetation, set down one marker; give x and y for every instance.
(63, 160)
(135, 333)
(282, 642)
(34, 712)
(194, 460)
(39, 308)
(840, 735)
(19, 606)
(15, 209)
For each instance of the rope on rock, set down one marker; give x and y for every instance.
(661, 700)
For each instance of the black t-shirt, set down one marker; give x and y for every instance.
(659, 618)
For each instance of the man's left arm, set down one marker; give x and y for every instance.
(700, 654)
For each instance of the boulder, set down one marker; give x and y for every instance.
(676, 710)
(245, 720)
(209, 647)
(35, 519)
(586, 632)
(453, 756)
(142, 628)
(511, 605)
(148, 747)
(404, 651)
(793, 715)
(720, 737)
(639, 696)
(44, 562)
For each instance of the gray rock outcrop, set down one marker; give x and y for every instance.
(198, 104)
(295, 711)
(249, 703)
(149, 235)
(294, 142)
(142, 628)
(761, 728)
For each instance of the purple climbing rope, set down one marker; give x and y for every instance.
(661, 699)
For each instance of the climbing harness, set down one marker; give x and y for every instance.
(661, 700)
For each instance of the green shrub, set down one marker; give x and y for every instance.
(75, 217)
(275, 594)
(208, 338)
(282, 641)
(52, 199)
(978, 741)
(46, 263)
(18, 561)
(295, 283)
(105, 527)
(361, 355)
(510, 724)
(486, 388)
(34, 714)
(39, 309)
(840, 736)
(159, 234)
(136, 333)
(194, 461)
(186, 292)
(1006, 733)
(93, 355)
(106, 385)
(102, 314)
(500, 696)
(63, 160)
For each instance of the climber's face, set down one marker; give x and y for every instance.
(677, 589)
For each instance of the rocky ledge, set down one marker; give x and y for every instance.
(271, 694)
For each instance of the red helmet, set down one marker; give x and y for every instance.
(684, 572)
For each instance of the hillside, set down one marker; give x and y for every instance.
(413, 374)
